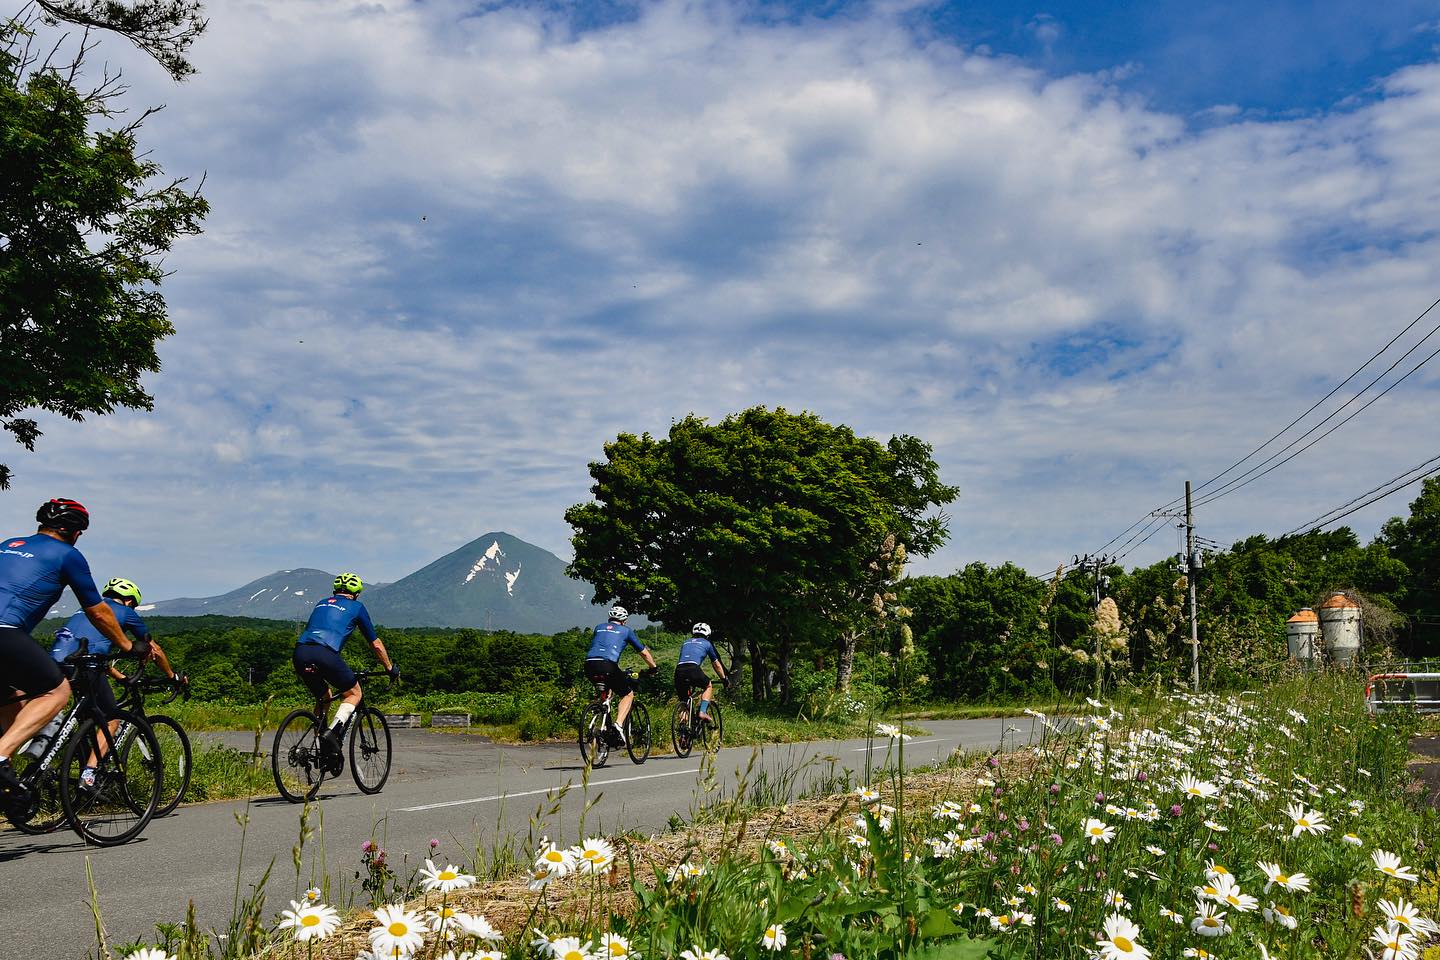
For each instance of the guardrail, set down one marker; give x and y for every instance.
(1403, 689)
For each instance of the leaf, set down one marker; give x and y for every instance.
(939, 922)
(959, 949)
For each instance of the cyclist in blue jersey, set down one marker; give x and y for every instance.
(602, 665)
(690, 675)
(122, 597)
(317, 655)
(34, 570)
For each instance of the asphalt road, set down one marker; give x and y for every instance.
(463, 790)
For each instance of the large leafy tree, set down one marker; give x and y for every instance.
(1415, 542)
(84, 220)
(769, 524)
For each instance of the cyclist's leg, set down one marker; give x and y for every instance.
(28, 667)
(105, 701)
(705, 702)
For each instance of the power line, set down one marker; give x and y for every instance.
(1361, 409)
(1281, 432)
(1138, 545)
(1325, 519)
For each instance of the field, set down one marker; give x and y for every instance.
(1280, 824)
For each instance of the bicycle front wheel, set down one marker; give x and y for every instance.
(680, 729)
(128, 780)
(710, 733)
(369, 750)
(637, 742)
(594, 747)
(175, 755)
(44, 813)
(296, 758)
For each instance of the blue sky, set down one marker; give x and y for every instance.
(1085, 250)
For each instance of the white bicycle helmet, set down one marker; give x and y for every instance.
(701, 630)
(619, 613)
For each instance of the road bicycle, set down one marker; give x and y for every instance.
(301, 761)
(595, 724)
(174, 741)
(129, 772)
(687, 728)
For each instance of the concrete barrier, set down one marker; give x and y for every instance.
(453, 719)
(402, 719)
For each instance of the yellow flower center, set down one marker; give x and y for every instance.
(1281, 878)
(447, 912)
(770, 933)
(1210, 922)
(573, 955)
(555, 856)
(397, 929)
(1231, 899)
(1123, 944)
(310, 920)
(1280, 909)
(617, 949)
(448, 874)
(1096, 831)
(1302, 822)
(1389, 870)
(592, 854)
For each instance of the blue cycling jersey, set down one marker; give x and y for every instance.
(334, 619)
(697, 650)
(609, 642)
(34, 571)
(81, 628)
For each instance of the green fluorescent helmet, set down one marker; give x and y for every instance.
(122, 589)
(349, 583)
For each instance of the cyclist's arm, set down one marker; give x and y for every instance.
(649, 658)
(160, 658)
(382, 654)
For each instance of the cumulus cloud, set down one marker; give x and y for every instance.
(454, 250)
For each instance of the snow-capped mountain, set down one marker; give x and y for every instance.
(496, 582)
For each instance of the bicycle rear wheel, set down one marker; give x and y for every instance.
(296, 758)
(44, 814)
(637, 729)
(680, 729)
(594, 747)
(127, 785)
(710, 733)
(175, 756)
(369, 750)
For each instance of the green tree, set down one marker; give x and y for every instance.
(768, 524)
(1415, 542)
(84, 220)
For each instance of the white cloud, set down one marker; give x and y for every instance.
(1080, 300)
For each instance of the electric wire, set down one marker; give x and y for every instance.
(1211, 498)
(1326, 518)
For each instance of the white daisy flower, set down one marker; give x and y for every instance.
(397, 929)
(1209, 921)
(149, 953)
(1279, 913)
(1305, 820)
(867, 794)
(1098, 832)
(1395, 943)
(778, 849)
(1352, 839)
(475, 925)
(555, 861)
(887, 730)
(595, 855)
(570, 948)
(1061, 905)
(615, 947)
(445, 879)
(1154, 850)
(1172, 916)
(1197, 789)
(313, 895)
(1390, 865)
(1115, 900)
(1294, 882)
(1406, 915)
(1217, 827)
(700, 953)
(309, 921)
(774, 937)
(1121, 940)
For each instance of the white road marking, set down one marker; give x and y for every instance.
(908, 743)
(531, 793)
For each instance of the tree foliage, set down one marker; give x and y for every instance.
(84, 220)
(769, 524)
(164, 29)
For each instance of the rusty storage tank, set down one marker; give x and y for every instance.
(1340, 625)
(1302, 633)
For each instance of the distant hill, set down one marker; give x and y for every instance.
(495, 582)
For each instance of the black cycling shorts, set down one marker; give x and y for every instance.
(690, 676)
(599, 670)
(319, 666)
(25, 665)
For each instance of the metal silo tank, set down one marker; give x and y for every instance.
(1340, 625)
(1302, 632)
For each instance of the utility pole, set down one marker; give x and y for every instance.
(1190, 578)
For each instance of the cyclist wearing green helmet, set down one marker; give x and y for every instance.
(317, 653)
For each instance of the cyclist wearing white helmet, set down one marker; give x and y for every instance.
(602, 664)
(690, 674)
